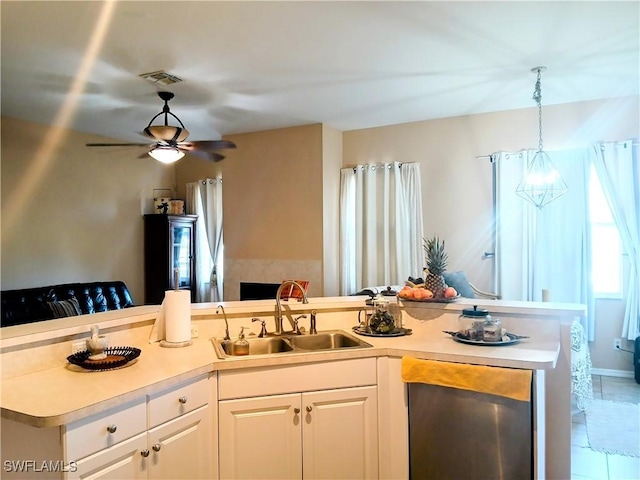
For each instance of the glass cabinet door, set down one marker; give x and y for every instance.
(182, 255)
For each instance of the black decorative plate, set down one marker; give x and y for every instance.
(458, 337)
(396, 332)
(116, 357)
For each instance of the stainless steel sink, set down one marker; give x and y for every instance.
(260, 346)
(326, 340)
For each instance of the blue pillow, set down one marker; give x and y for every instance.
(460, 282)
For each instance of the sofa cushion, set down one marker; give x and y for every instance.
(65, 308)
(460, 282)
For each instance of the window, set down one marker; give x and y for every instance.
(606, 248)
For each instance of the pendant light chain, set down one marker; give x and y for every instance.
(537, 96)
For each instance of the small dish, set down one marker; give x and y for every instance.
(396, 332)
(115, 357)
(513, 338)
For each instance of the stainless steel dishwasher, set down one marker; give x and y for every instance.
(458, 434)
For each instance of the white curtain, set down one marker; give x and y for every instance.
(618, 170)
(204, 198)
(548, 248)
(380, 225)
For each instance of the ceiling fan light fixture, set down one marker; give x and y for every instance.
(166, 154)
(166, 133)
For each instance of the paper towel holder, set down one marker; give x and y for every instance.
(165, 343)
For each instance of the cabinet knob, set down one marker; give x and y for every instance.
(182, 400)
(112, 428)
(296, 410)
(157, 447)
(309, 408)
(144, 453)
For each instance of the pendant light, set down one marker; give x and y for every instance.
(542, 182)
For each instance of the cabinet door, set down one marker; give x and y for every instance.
(340, 433)
(181, 255)
(260, 438)
(180, 449)
(121, 461)
(169, 243)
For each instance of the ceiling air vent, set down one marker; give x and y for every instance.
(161, 77)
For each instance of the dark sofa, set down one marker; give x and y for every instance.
(45, 303)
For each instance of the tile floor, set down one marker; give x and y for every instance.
(589, 464)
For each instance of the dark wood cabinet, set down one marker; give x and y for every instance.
(169, 244)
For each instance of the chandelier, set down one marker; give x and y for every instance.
(542, 182)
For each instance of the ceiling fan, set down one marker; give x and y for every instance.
(169, 141)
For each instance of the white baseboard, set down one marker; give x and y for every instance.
(607, 372)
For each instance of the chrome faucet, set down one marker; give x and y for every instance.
(226, 324)
(313, 326)
(279, 330)
(263, 327)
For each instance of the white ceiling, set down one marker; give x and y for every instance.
(250, 66)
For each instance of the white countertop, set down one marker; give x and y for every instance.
(60, 395)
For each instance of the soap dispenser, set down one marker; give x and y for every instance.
(241, 345)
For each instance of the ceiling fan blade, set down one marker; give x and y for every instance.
(117, 144)
(213, 156)
(207, 145)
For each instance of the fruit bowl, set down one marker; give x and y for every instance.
(418, 293)
(432, 300)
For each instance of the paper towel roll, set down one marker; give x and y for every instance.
(177, 315)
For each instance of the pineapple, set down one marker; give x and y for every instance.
(436, 265)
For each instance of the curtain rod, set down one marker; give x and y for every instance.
(490, 157)
(634, 143)
(374, 166)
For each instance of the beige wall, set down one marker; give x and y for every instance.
(273, 207)
(457, 186)
(72, 213)
(331, 164)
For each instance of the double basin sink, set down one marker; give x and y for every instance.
(290, 343)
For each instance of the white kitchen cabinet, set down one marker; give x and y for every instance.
(328, 433)
(173, 450)
(121, 461)
(340, 434)
(166, 435)
(260, 437)
(180, 448)
(105, 429)
(175, 446)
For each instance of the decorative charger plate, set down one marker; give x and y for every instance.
(116, 357)
(396, 332)
(432, 300)
(458, 337)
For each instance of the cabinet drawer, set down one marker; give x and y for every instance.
(178, 400)
(102, 430)
(253, 382)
